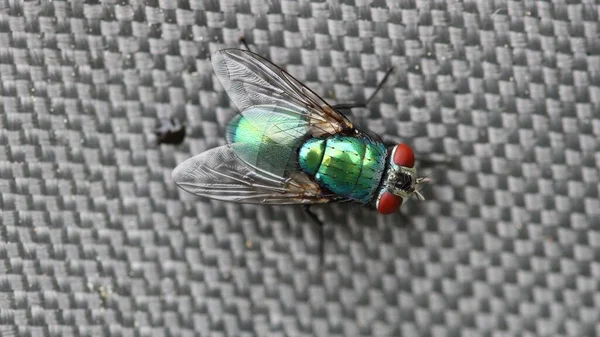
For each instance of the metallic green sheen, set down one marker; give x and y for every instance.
(351, 167)
(268, 137)
(311, 155)
(274, 139)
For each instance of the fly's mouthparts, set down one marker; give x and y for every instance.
(419, 195)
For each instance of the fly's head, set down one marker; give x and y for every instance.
(400, 181)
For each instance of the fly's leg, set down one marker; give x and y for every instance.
(426, 161)
(346, 106)
(434, 161)
(243, 41)
(321, 225)
(380, 85)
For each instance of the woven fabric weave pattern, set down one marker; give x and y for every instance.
(96, 240)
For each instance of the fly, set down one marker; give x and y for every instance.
(286, 145)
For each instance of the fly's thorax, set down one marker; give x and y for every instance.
(350, 167)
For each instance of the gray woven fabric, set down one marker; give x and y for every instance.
(96, 240)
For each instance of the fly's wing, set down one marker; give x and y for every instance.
(220, 174)
(252, 80)
(268, 137)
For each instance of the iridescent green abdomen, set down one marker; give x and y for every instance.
(348, 166)
(268, 137)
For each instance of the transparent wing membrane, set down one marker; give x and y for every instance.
(220, 174)
(268, 137)
(251, 80)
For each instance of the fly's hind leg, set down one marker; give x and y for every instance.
(247, 47)
(244, 43)
(321, 225)
(346, 106)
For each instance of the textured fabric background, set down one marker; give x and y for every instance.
(96, 240)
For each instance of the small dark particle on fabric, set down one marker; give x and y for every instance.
(170, 131)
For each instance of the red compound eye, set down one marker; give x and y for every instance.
(388, 203)
(404, 156)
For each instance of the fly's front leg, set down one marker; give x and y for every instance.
(321, 225)
(426, 161)
(431, 161)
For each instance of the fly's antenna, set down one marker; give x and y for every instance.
(421, 180)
